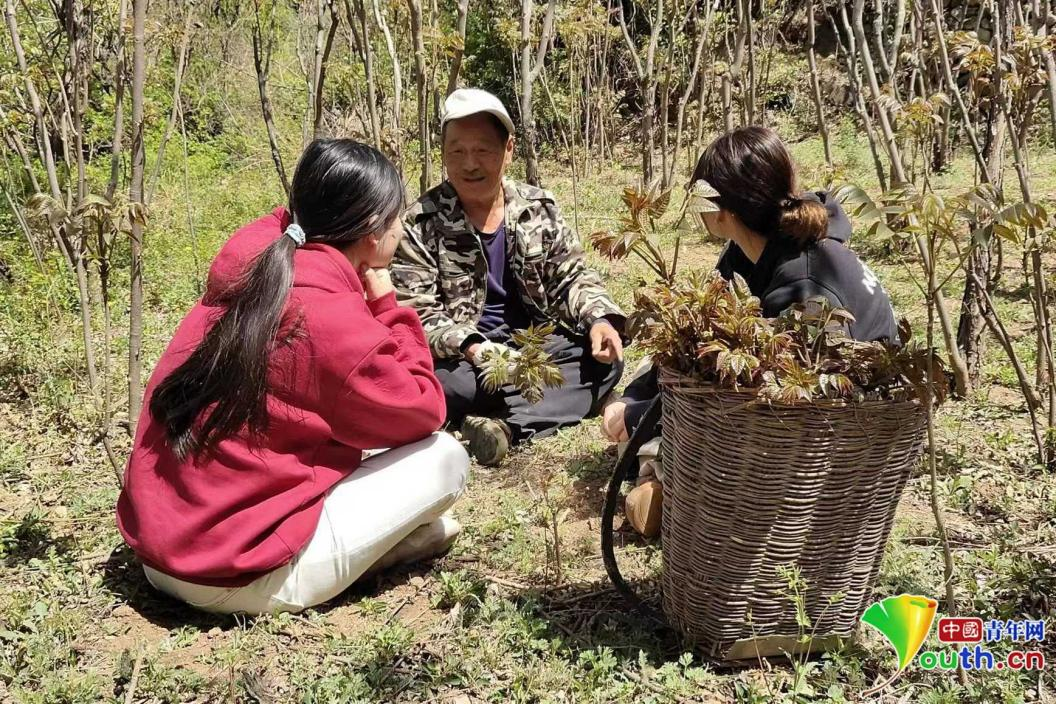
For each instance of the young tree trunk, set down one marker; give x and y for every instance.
(117, 143)
(43, 134)
(75, 86)
(941, 148)
(572, 131)
(687, 94)
(588, 113)
(103, 265)
(397, 84)
(698, 140)
(1000, 333)
(960, 371)
(669, 160)
(79, 34)
(951, 85)
(263, 45)
(606, 90)
(933, 301)
(750, 33)
(770, 51)
(529, 74)
(420, 77)
(871, 81)
(1034, 267)
(1050, 69)
(665, 107)
(359, 31)
(815, 85)
(970, 326)
(135, 195)
(431, 19)
(735, 60)
(75, 30)
(181, 65)
(569, 142)
(894, 52)
(460, 48)
(881, 50)
(646, 85)
(45, 153)
(851, 54)
(324, 43)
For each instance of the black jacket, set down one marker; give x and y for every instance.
(786, 274)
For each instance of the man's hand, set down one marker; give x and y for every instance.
(605, 342)
(479, 352)
(613, 424)
(376, 282)
(471, 352)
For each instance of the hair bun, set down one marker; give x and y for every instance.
(805, 221)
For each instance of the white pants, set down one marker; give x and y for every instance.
(364, 516)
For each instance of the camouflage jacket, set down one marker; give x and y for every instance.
(440, 267)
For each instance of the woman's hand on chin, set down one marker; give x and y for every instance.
(376, 282)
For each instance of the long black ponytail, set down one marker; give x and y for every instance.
(342, 191)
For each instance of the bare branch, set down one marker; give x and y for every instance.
(322, 56)
(456, 60)
(263, 45)
(397, 79)
(117, 143)
(34, 100)
(639, 69)
(181, 65)
(544, 40)
(135, 195)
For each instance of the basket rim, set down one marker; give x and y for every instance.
(672, 378)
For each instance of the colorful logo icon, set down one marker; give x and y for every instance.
(905, 621)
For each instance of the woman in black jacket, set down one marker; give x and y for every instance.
(789, 247)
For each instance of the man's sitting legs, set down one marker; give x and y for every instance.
(586, 383)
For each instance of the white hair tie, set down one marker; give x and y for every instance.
(296, 233)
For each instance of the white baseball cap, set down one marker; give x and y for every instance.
(470, 101)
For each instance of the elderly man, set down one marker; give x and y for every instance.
(484, 256)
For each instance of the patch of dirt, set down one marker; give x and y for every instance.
(405, 595)
(917, 513)
(123, 629)
(190, 656)
(1004, 397)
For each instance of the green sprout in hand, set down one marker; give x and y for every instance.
(526, 365)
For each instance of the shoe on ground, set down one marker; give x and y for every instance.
(489, 439)
(644, 507)
(426, 541)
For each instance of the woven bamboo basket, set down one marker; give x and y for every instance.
(751, 486)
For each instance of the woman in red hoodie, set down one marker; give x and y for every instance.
(248, 488)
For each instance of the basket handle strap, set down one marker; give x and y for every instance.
(608, 512)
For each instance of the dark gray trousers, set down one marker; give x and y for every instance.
(587, 382)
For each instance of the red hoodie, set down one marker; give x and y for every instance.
(359, 377)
